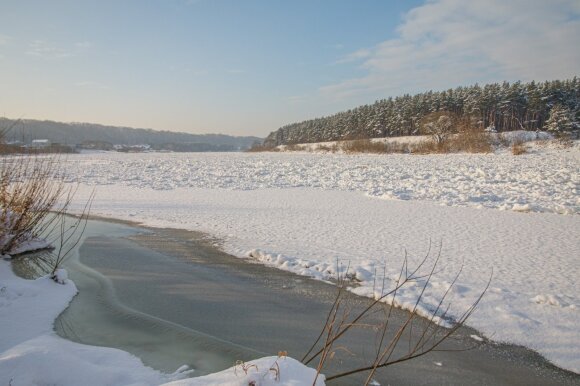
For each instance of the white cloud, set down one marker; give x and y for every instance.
(43, 49)
(354, 56)
(445, 43)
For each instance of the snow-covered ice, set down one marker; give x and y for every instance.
(301, 212)
(543, 181)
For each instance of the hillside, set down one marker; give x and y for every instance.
(500, 107)
(77, 133)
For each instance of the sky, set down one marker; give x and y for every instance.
(248, 67)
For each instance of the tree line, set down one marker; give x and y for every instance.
(26, 130)
(495, 107)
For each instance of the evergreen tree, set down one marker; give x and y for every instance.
(497, 106)
(560, 120)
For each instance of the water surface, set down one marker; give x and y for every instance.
(171, 298)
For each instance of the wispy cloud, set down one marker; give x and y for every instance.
(44, 49)
(355, 56)
(450, 42)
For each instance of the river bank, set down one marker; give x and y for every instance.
(220, 309)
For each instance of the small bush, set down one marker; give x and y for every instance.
(518, 148)
(260, 148)
(328, 149)
(30, 187)
(363, 146)
(431, 147)
(294, 147)
(471, 141)
(373, 147)
(33, 205)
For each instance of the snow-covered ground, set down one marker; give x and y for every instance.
(301, 212)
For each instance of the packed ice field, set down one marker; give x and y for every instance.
(315, 214)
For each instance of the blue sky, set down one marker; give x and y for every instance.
(247, 67)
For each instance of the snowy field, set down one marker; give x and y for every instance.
(301, 212)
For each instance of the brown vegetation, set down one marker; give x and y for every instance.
(258, 147)
(518, 148)
(413, 337)
(33, 203)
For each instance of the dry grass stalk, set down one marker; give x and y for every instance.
(424, 335)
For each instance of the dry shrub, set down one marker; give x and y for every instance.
(363, 146)
(294, 147)
(373, 147)
(33, 208)
(413, 337)
(471, 141)
(10, 149)
(33, 203)
(30, 187)
(431, 147)
(565, 141)
(468, 140)
(518, 148)
(260, 148)
(328, 149)
(503, 140)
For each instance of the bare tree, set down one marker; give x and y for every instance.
(439, 125)
(34, 201)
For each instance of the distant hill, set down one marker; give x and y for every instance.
(497, 106)
(78, 133)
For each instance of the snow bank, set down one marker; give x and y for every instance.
(269, 371)
(302, 212)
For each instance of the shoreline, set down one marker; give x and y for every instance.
(174, 239)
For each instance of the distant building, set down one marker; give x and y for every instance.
(40, 143)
